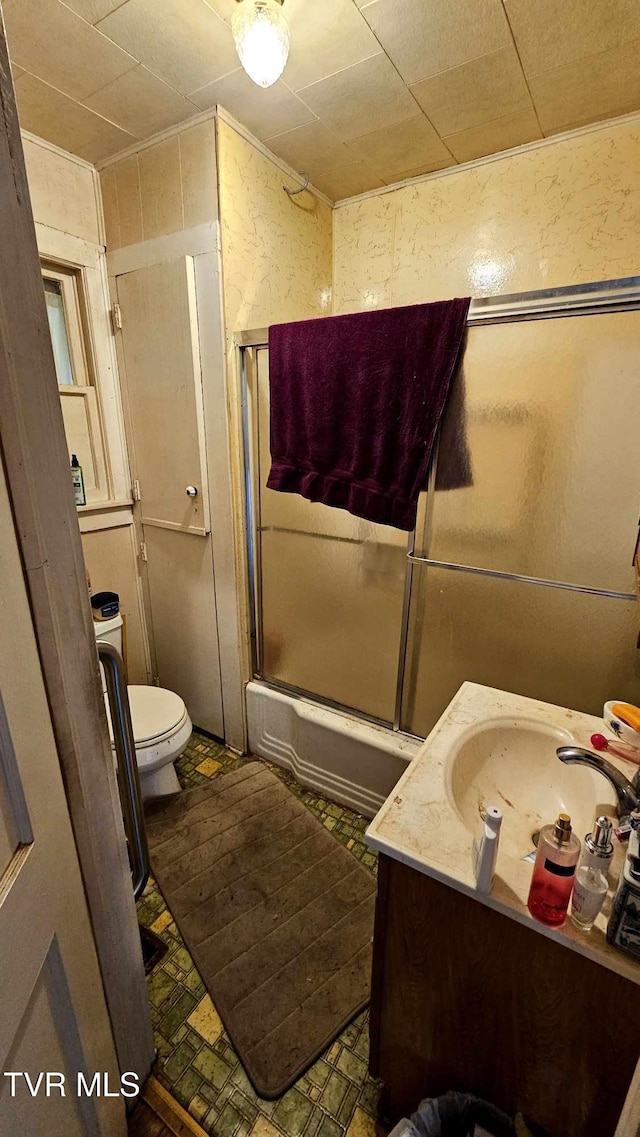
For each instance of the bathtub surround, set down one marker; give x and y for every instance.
(356, 403)
(278, 917)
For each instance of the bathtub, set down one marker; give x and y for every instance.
(354, 762)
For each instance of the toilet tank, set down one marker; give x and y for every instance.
(110, 630)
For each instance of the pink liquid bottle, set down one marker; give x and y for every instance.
(554, 872)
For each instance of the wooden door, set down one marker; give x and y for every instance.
(53, 1019)
(164, 387)
(160, 355)
(53, 730)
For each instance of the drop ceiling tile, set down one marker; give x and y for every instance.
(325, 37)
(479, 91)
(93, 10)
(587, 90)
(549, 34)
(311, 144)
(56, 45)
(224, 8)
(423, 37)
(404, 146)
(417, 171)
(492, 137)
(141, 103)
(105, 144)
(346, 180)
(54, 116)
(183, 42)
(361, 98)
(264, 111)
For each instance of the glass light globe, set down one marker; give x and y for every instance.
(261, 35)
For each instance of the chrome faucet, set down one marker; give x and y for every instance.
(628, 793)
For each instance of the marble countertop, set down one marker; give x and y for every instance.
(421, 826)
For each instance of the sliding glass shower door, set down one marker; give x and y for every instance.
(330, 587)
(522, 580)
(552, 412)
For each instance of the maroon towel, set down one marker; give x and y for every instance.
(355, 405)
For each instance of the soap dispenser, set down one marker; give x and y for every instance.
(554, 872)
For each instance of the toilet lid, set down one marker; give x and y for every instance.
(154, 712)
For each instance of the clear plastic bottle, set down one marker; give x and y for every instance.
(591, 885)
(554, 872)
(589, 890)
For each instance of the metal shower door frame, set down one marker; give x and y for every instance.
(543, 304)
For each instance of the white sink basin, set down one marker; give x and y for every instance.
(512, 763)
(493, 747)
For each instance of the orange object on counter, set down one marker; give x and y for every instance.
(628, 713)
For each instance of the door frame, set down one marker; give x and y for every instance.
(34, 453)
(202, 243)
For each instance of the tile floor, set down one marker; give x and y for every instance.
(196, 1060)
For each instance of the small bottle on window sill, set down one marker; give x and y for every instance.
(78, 481)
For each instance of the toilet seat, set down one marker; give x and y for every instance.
(160, 722)
(155, 714)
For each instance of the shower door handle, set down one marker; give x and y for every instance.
(128, 780)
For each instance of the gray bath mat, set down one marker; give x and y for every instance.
(277, 915)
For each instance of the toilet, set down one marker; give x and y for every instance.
(160, 721)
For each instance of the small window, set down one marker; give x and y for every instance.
(58, 329)
(64, 298)
(64, 312)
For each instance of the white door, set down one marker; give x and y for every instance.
(164, 386)
(160, 356)
(53, 1018)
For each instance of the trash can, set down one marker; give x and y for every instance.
(460, 1115)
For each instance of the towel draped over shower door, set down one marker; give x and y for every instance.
(355, 405)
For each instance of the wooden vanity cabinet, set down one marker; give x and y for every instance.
(465, 998)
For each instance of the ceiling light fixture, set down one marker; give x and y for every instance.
(261, 35)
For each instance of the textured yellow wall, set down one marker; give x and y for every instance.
(276, 250)
(564, 213)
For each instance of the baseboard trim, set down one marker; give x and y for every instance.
(170, 1111)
